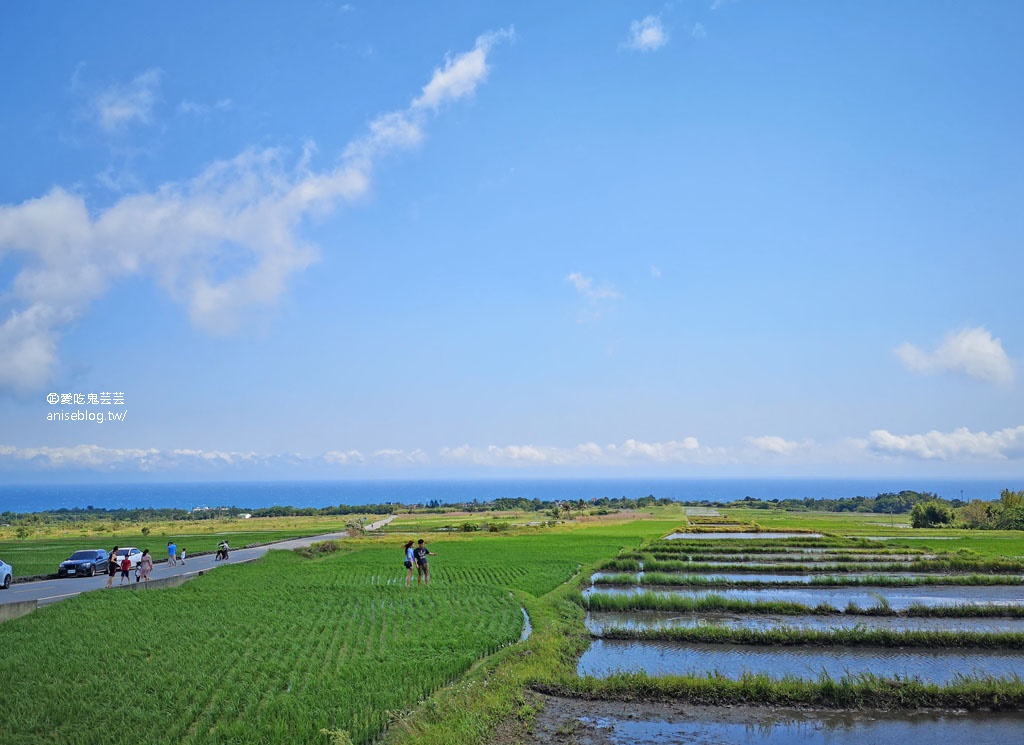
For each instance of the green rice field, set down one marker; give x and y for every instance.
(332, 648)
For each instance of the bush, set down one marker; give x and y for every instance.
(930, 514)
(1011, 519)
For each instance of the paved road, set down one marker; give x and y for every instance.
(51, 590)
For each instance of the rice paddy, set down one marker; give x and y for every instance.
(798, 611)
(335, 649)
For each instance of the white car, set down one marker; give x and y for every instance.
(6, 573)
(134, 556)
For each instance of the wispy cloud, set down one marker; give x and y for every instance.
(961, 443)
(250, 207)
(777, 445)
(204, 109)
(586, 288)
(629, 452)
(124, 104)
(698, 31)
(646, 35)
(972, 352)
(461, 74)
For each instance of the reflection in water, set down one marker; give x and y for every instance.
(609, 656)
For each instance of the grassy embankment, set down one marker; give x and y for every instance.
(663, 579)
(788, 636)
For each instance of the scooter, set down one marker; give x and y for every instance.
(222, 553)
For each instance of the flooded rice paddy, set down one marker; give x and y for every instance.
(788, 571)
(610, 656)
(898, 598)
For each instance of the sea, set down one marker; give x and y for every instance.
(256, 494)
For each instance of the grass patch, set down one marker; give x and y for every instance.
(848, 692)
(664, 579)
(852, 637)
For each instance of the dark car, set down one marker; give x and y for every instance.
(84, 563)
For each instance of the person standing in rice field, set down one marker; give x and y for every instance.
(420, 554)
(410, 561)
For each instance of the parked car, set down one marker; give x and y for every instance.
(84, 563)
(134, 556)
(6, 574)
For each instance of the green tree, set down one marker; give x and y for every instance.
(930, 514)
(1011, 499)
(1011, 519)
(976, 514)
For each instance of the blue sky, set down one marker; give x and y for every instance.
(348, 240)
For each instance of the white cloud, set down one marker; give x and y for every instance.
(646, 35)
(776, 445)
(461, 74)
(630, 452)
(719, 4)
(1004, 444)
(121, 105)
(400, 457)
(344, 457)
(585, 287)
(698, 31)
(655, 272)
(972, 352)
(222, 243)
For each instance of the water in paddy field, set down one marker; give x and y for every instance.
(795, 579)
(634, 723)
(742, 536)
(899, 598)
(598, 622)
(609, 656)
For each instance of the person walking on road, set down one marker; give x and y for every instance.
(420, 554)
(171, 553)
(111, 567)
(409, 562)
(181, 556)
(145, 565)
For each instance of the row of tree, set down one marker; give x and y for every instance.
(889, 503)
